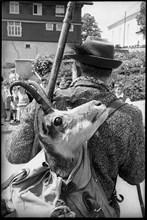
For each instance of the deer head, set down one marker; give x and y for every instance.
(62, 133)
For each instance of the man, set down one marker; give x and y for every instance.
(44, 83)
(117, 148)
(119, 92)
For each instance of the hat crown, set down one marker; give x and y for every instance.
(99, 47)
(96, 52)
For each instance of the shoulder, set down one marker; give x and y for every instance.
(127, 117)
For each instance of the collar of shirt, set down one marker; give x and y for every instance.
(89, 81)
(120, 96)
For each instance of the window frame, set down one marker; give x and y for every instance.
(13, 28)
(49, 29)
(14, 4)
(71, 28)
(57, 25)
(27, 46)
(61, 14)
(58, 29)
(37, 4)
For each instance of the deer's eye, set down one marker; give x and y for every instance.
(57, 121)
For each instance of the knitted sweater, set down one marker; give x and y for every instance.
(117, 147)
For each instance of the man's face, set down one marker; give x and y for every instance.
(118, 90)
(44, 84)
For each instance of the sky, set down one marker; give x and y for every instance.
(107, 12)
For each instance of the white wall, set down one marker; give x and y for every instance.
(116, 35)
(13, 50)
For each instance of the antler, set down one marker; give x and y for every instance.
(40, 96)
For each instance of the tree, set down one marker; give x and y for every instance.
(141, 18)
(90, 27)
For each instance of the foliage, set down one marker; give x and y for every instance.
(90, 27)
(43, 65)
(65, 69)
(134, 84)
(131, 60)
(134, 80)
(141, 18)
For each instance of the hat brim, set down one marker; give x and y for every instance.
(96, 61)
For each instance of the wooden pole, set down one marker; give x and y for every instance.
(60, 49)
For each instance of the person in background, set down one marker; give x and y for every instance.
(7, 99)
(62, 84)
(23, 101)
(3, 112)
(44, 83)
(119, 92)
(14, 102)
(13, 76)
(75, 71)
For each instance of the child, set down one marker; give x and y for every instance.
(14, 102)
(23, 101)
(44, 83)
(119, 92)
(7, 100)
(3, 112)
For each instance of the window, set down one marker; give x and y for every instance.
(37, 9)
(120, 35)
(71, 27)
(14, 8)
(27, 46)
(59, 27)
(14, 28)
(128, 33)
(49, 26)
(60, 10)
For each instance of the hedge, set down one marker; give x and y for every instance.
(131, 73)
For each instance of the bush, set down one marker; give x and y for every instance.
(65, 70)
(134, 80)
(43, 65)
(130, 60)
(134, 84)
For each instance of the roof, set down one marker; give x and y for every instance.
(84, 2)
(57, 2)
(121, 21)
(129, 14)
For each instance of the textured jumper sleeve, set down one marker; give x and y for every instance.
(133, 168)
(19, 145)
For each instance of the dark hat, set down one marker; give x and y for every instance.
(96, 52)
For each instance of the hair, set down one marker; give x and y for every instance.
(94, 71)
